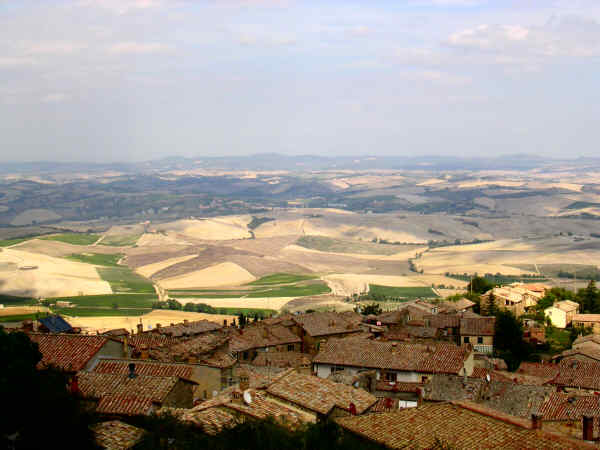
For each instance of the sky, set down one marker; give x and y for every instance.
(134, 80)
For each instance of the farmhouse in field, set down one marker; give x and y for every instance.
(516, 297)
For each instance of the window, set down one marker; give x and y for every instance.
(466, 339)
(389, 376)
(205, 394)
(480, 340)
(245, 355)
(290, 347)
(336, 369)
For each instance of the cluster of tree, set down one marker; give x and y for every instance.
(245, 319)
(40, 410)
(169, 304)
(366, 310)
(588, 298)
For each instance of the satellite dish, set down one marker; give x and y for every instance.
(487, 377)
(247, 397)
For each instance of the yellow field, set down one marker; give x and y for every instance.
(242, 302)
(224, 274)
(164, 317)
(150, 269)
(37, 275)
(19, 310)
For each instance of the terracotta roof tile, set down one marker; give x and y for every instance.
(70, 352)
(592, 318)
(327, 323)
(260, 336)
(442, 320)
(318, 394)
(117, 435)
(563, 406)
(437, 357)
(579, 374)
(477, 326)
(457, 426)
(151, 368)
(189, 329)
(212, 420)
(119, 394)
(538, 369)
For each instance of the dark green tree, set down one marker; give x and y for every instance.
(589, 298)
(479, 285)
(43, 413)
(372, 308)
(508, 340)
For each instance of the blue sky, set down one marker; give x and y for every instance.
(123, 80)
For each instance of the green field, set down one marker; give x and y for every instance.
(281, 278)
(122, 279)
(99, 312)
(73, 238)
(10, 300)
(21, 317)
(9, 242)
(121, 240)
(376, 290)
(327, 244)
(98, 259)
(107, 301)
(292, 291)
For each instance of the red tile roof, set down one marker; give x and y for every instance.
(116, 435)
(149, 341)
(547, 371)
(189, 329)
(154, 369)
(260, 336)
(437, 357)
(119, 394)
(562, 406)
(282, 359)
(70, 352)
(318, 394)
(327, 323)
(591, 318)
(456, 425)
(477, 326)
(212, 420)
(579, 374)
(442, 320)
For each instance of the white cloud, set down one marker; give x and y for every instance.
(55, 97)
(141, 48)
(8, 61)
(436, 77)
(53, 48)
(122, 6)
(560, 37)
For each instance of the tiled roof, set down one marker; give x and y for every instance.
(120, 394)
(546, 371)
(70, 352)
(423, 358)
(188, 329)
(442, 320)
(392, 317)
(562, 406)
(260, 336)
(567, 305)
(514, 399)
(588, 349)
(116, 332)
(282, 359)
(580, 374)
(260, 407)
(477, 326)
(458, 426)
(384, 405)
(142, 367)
(198, 345)
(450, 387)
(588, 338)
(212, 420)
(327, 323)
(149, 341)
(495, 375)
(319, 395)
(116, 435)
(586, 318)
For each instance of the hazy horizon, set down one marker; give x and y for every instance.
(137, 80)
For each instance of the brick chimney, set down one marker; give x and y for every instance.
(144, 353)
(140, 328)
(419, 396)
(125, 347)
(224, 322)
(158, 326)
(536, 422)
(185, 322)
(588, 428)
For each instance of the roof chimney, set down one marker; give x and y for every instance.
(75, 385)
(132, 373)
(224, 322)
(588, 428)
(125, 347)
(185, 322)
(352, 409)
(140, 328)
(536, 422)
